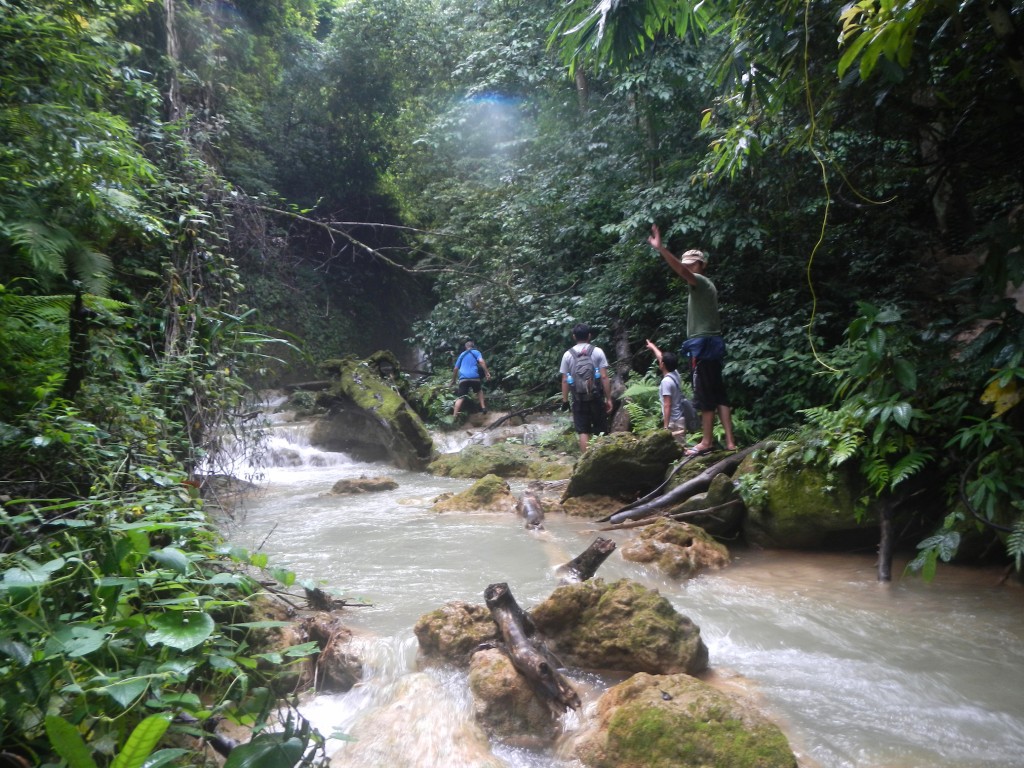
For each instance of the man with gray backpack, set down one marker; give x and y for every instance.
(584, 372)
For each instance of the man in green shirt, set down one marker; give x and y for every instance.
(704, 343)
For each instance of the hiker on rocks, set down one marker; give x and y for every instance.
(677, 412)
(704, 345)
(467, 372)
(584, 371)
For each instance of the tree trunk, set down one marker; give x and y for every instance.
(173, 97)
(585, 565)
(684, 491)
(530, 658)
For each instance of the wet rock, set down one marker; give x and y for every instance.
(503, 459)
(623, 465)
(505, 705)
(591, 506)
(454, 631)
(677, 721)
(363, 484)
(488, 494)
(679, 550)
(622, 626)
(337, 668)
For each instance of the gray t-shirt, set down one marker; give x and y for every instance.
(600, 361)
(671, 386)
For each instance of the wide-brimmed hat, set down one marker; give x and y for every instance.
(694, 256)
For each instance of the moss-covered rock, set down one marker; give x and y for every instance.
(792, 504)
(591, 506)
(368, 418)
(677, 721)
(623, 465)
(453, 632)
(363, 484)
(502, 459)
(505, 459)
(679, 550)
(622, 626)
(488, 494)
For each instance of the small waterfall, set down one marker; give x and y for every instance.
(288, 446)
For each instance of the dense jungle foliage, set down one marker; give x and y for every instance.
(201, 198)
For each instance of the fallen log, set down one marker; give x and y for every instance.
(529, 657)
(585, 565)
(651, 519)
(683, 491)
(530, 508)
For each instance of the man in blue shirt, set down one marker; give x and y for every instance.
(467, 371)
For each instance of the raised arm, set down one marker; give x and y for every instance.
(677, 266)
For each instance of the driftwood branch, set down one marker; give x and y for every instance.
(651, 519)
(585, 565)
(683, 491)
(529, 657)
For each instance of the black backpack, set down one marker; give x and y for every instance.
(581, 374)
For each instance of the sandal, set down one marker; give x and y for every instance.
(696, 451)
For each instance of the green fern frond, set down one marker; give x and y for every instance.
(908, 466)
(1015, 543)
(877, 473)
(43, 246)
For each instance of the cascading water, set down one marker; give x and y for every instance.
(858, 674)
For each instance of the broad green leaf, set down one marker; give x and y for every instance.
(165, 757)
(75, 640)
(268, 750)
(180, 629)
(172, 558)
(124, 692)
(34, 575)
(142, 741)
(905, 372)
(902, 413)
(68, 743)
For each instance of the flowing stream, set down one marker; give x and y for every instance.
(856, 673)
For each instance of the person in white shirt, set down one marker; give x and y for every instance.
(591, 397)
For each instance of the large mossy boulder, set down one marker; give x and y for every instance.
(368, 418)
(503, 459)
(623, 465)
(488, 494)
(679, 550)
(795, 505)
(677, 721)
(622, 626)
